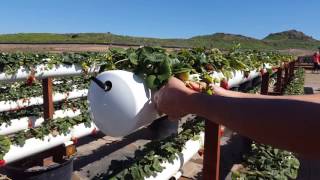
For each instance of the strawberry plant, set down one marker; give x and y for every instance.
(4, 146)
(296, 86)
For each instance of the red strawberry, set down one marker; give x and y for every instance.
(224, 84)
(24, 100)
(2, 162)
(74, 109)
(30, 124)
(209, 67)
(246, 74)
(94, 131)
(221, 131)
(200, 152)
(75, 140)
(31, 79)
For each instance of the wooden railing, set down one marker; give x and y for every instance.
(211, 164)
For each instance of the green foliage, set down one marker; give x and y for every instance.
(296, 85)
(155, 65)
(266, 162)
(4, 145)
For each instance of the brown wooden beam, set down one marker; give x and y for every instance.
(47, 98)
(211, 163)
(286, 74)
(265, 84)
(278, 85)
(291, 69)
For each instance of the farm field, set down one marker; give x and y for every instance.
(59, 48)
(291, 40)
(159, 90)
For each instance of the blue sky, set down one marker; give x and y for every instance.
(161, 18)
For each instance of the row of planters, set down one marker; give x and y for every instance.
(33, 88)
(266, 162)
(154, 65)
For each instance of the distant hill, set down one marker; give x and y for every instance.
(289, 35)
(94, 38)
(223, 40)
(282, 40)
(291, 39)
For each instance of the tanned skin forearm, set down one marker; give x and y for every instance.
(282, 121)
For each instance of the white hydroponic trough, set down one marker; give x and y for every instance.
(21, 103)
(33, 146)
(27, 122)
(170, 169)
(43, 71)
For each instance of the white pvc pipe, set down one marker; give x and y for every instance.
(81, 130)
(170, 169)
(43, 71)
(21, 103)
(237, 77)
(27, 122)
(33, 146)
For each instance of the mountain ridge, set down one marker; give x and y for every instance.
(280, 40)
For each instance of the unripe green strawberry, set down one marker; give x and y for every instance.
(184, 76)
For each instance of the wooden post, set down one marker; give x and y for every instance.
(265, 83)
(211, 162)
(48, 114)
(47, 98)
(291, 70)
(278, 87)
(286, 74)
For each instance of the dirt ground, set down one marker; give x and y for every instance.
(298, 52)
(312, 82)
(55, 48)
(58, 48)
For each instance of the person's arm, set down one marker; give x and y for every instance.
(287, 122)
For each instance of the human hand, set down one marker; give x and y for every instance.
(171, 98)
(217, 90)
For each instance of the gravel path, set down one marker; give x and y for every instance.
(312, 82)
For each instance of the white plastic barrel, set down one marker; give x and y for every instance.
(124, 107)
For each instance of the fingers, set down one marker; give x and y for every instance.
(196, 86)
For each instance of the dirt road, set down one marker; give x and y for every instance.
(55, 48)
